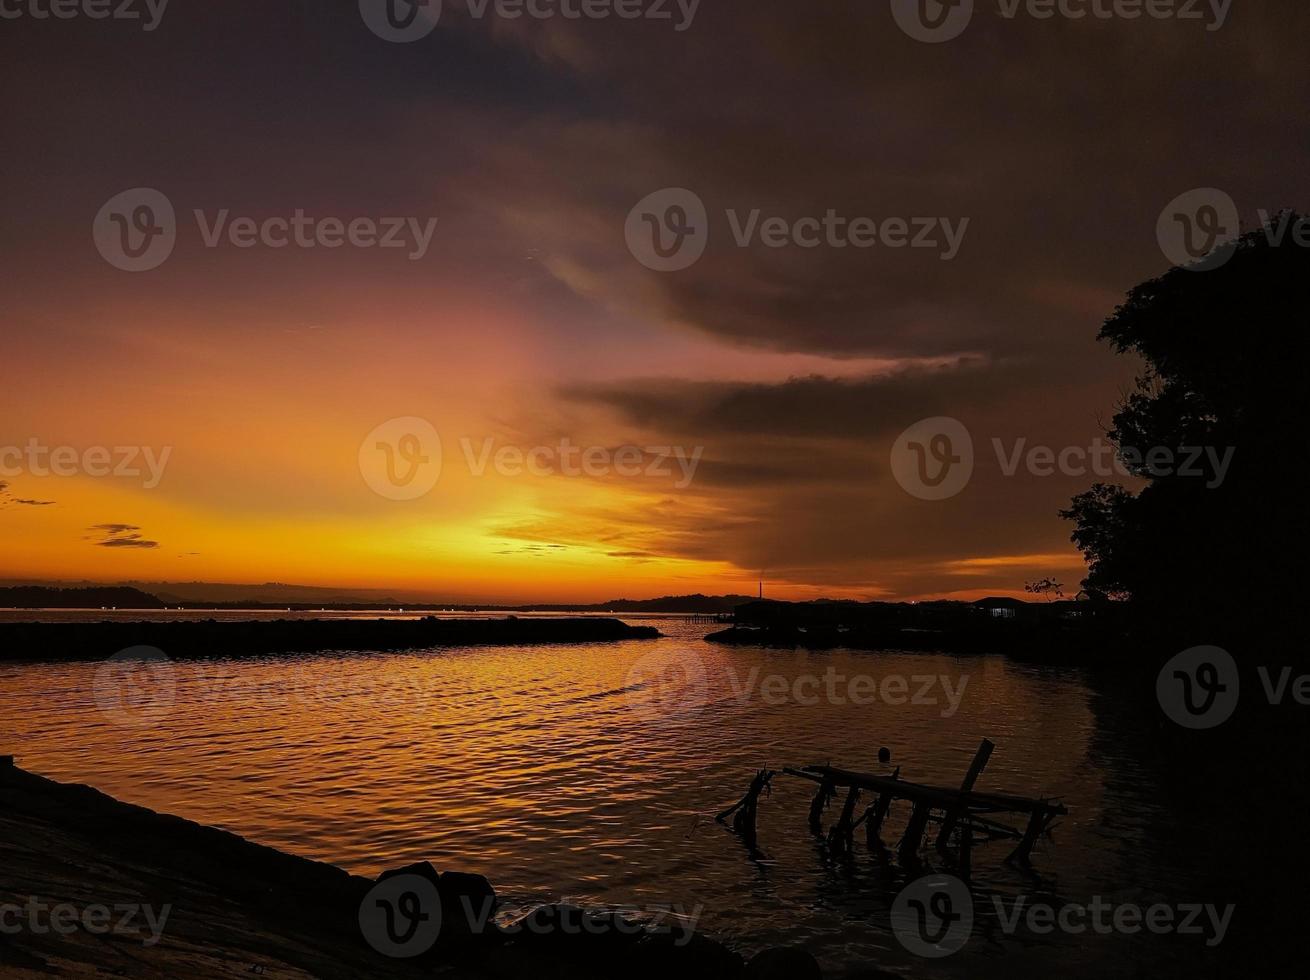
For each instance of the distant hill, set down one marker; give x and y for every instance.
(268, 593)
(272, 595)
(40, 597)
(665, 604)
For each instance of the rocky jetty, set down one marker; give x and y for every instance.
(254, 638)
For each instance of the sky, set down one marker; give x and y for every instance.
(741, 412)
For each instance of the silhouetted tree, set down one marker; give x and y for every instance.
(1047, 587)
(1102, 515)
(1225, 372)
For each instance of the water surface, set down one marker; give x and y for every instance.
(592, 773)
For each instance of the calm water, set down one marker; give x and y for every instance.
(592, 773)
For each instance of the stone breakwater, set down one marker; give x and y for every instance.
(212, 638)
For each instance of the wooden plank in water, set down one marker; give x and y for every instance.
(938, 795)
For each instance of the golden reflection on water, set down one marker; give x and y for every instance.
(589, 772)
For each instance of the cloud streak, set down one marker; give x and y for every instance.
(121, 536)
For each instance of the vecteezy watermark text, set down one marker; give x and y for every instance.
(566, 459)
(403, 21)
(148, 12)
(933, 459)
(666, 683)
(137, 230)
(934, 916)
(37, 459)
(1199, 230)
(1103, 458)
(63, 919)
(1199, 688)
(401, 459)
(935, 21)
(402, 916)
(834, 687)
(567, 918)
(668, 230)
(1104, 917)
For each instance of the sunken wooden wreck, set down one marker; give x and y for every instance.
(961, 816)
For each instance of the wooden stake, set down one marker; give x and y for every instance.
(821, 798)
(842, 832)
(748, 806)
(914, 830)
(975, 770)
(1036, 823)
(966, 847)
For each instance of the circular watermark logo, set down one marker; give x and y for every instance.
(1198, 688)
(933, 459)
(401, 458)
(668, 229)
(400, 21)
(933, 21)
(136, 687)
(666, 684)
(136, 230)
(933, 916)
(1198, 231)
(401, 916)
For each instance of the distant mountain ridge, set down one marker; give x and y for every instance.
(696, 603)
(277, 596)
(41, 597)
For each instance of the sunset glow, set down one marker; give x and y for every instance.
(515, 311)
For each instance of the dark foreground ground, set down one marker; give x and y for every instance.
(236, 909)
(211, 638)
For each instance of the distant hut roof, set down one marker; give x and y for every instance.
(1000, 602)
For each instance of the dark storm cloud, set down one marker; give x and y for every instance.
(795, 478)
(1059, 141)
(809, 406)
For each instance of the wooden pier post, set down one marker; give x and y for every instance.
(914, 830)
(966, 849)
(844, 830)
(877, 814)
(1036, 824)
(847, 822)
(826, 792)
(748, 806)
(975, 770)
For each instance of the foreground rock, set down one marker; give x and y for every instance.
(211, 638)
(208, 904)
(783, 963)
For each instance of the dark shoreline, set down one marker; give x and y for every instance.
(1076, 647)
(253, 638)
(231, 901)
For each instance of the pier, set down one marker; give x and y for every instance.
(961, 816)
(719, 617)
(186, 638)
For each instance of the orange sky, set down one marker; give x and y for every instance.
(790, 371)
(262, 480)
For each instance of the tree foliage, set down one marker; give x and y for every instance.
(1224, 372)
